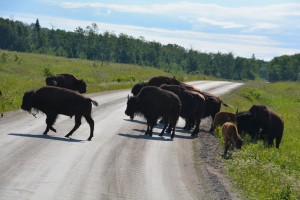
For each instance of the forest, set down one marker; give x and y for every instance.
(88, 43)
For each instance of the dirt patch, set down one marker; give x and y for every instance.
(210, 166)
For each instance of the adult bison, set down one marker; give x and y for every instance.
(246, 124)
(213, 102)
(153, 102)
(192, 104)
(271, 123)
(54, 101)
(158, 81)
(66, 81)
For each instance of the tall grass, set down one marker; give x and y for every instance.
(269, 173)
(20, 72)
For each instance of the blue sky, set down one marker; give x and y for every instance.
(266, 28)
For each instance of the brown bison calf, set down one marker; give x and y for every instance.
(231, 137)
(222, 117)
(54, 101)
(153, 102)
(66, 81)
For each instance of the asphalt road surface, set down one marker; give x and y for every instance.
(119, 163)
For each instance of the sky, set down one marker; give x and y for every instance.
(265, 28)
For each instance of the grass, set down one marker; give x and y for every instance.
(20, 72)
(261, 172)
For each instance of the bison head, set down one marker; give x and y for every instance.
(27, 103)
(137, 88)
(239, 143)
(81, 86)
(132, 106)
(260, 112)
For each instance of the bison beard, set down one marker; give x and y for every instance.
(54, 101)
(153, 102)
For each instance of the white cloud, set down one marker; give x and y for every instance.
(240, 45)
(222, 24)
(225, 17)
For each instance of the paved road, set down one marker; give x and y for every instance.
(119, 163)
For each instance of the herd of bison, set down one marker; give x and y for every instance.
(160, 98)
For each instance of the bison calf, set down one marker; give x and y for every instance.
(54, 101)
(231, 137)
(153, 102)
(222, 117)
(66, 81)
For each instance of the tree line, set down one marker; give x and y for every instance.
(87, 43)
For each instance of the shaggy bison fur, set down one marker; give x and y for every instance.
(66, 81)
(270, 122)
(153, 103)
(54, 101)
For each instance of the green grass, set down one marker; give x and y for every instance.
(261, 172)
(20, 72)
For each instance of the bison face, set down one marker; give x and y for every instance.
(81, 86)
(27, 103)
(132, 107)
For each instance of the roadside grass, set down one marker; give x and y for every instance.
(261, 172)
(20, 72)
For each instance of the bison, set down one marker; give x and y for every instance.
(66, 81)
(192, 104)
(54, 101)
(213, 103)
(270, 122)
(231, 137)
(153, 103)
(158, 81)
(222, 117)
(246, 124)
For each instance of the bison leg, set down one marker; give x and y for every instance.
(226, 146)
(91, 123)
(77, 124)
(50, 121)
(196, 130)
(163, 131)
(173, 133)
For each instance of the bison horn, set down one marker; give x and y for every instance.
(128, 96)
(237, 111)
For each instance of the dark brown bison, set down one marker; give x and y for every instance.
(192, 104)
(158, 81)
(222, 117)
(66, 81)
(153, 103)
(271, 123)
(213, 103)
(54, 101)
(231, 137)
(246, 124)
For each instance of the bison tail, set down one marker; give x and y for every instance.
(94, 102)
(226, 105)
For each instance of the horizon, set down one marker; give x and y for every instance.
(265, 29)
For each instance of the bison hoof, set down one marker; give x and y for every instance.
(67, 136)
(172, 137)
(89, 139)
